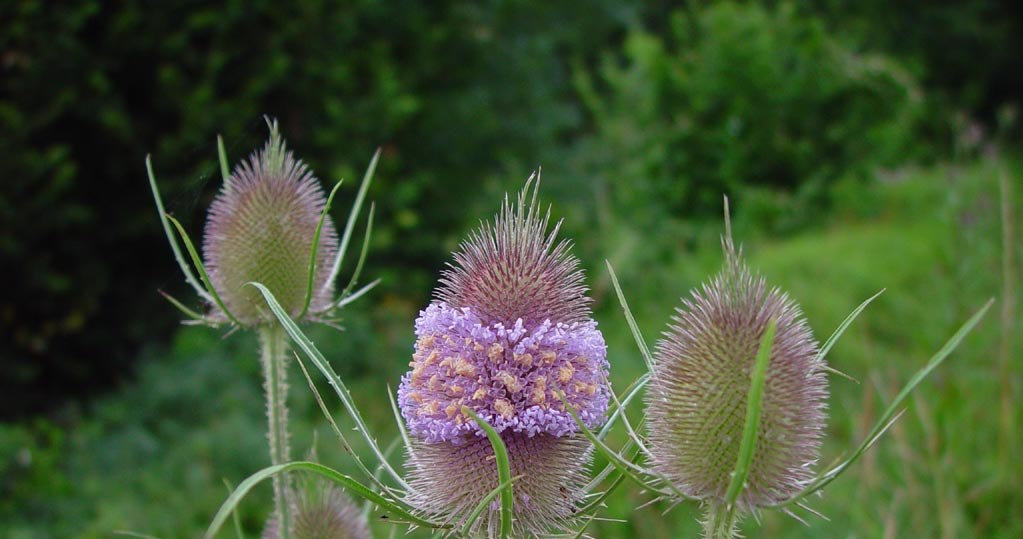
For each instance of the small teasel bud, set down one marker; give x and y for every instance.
(697, 399)
(322, 511)
(508, 337)
(261, 228)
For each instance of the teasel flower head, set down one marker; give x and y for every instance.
(268, 225)
(261, 228)
(322, 511)
(507, 337)
(697, 399)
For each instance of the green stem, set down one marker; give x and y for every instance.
(274, 346)
(720, 522)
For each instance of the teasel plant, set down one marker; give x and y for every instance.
(269, 223)
(507, 370)
(736, 401)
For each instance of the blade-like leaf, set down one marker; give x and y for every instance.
(225, 171)
(892, 412)
(632, 471)
(314, 355)
(362, 253)
(235, 519)
(630, 393)
(752, 424)
(202, 269)
(185, 269)
(315, 249)
(503, 470)
(633, 327)
(337, 430)
(367, 179)
(345, 300)
(181, 307)
(329, 473)
(482, 506)
(828, 344)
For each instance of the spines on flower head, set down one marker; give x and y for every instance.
(322, 511)
(509, 336)
(449, 481)
(701, 380)
(514, 268)
(261, 228)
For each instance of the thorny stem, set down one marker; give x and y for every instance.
(273, 342)
(720, 522)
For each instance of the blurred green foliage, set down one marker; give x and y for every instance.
(808, 113)
(741, 97)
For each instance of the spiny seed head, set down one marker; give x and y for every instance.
(261, 228)
(514, 268)
(700, 385)
(449, 481)
(322, 512)
(510, 333)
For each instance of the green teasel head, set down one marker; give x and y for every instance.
(322, 511)
(262, 227)
(268, 224)
(700, 387)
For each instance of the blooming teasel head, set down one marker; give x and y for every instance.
(507, 338)
(700, 387)
(268, 224)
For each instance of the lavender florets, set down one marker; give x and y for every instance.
(509, 376)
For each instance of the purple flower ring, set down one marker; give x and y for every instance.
(510, 377)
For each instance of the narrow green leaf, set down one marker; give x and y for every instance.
(367, 179)
(482, 506)
(225, 171)
(181, 307)
(316, 248)
(503, 471)
(137, 535)
(619, 477)
(398, 419)
(329, 473)
(630, 393)
(632, 471)
(314, 355)
(828, 344)
(337, 430)
(633, 327)
(189, 277)
(362, 253)
(235, 519)
(752, 424)
(345, 300)
(893, 411)
(202, 269)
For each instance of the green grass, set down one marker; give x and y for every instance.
(152, 457)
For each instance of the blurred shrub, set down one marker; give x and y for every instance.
(88, 88)
(740, 98)
(965, 54)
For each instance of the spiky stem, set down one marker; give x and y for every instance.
(720, 522)
(273, 342)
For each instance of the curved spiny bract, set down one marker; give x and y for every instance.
(450, 480)
(261, 228)
(514, 268)
(697, 399)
